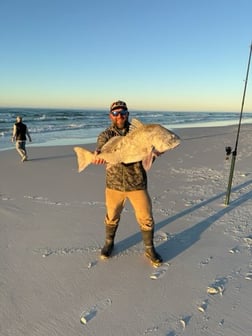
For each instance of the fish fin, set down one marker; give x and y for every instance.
(135, 123)
(148, 160)
(84, 158)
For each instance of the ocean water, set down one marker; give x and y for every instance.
(53, 127)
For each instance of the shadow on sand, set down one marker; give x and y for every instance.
(185, 239)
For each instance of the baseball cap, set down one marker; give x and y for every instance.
(118, 104)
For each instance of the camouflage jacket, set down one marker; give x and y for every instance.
(122, 177)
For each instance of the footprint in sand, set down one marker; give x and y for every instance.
(205, 261)
(5, 198)
(248, 240)
(218, 287)
(92, 264)
(171, 326)
(45, 252)
(90, 313)
(235, 249)
(160, 271)
(248, 276)
(203, 306)
(161, 236)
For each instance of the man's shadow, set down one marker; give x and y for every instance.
(185, 239)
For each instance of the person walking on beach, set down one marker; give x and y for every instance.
(125, 181)
(20, 131)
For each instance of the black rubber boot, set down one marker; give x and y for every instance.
(109, 242)
(150, 251)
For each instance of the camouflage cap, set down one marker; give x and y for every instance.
(118, 104)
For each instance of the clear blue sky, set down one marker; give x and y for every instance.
(154, 54)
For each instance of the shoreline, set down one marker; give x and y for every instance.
(90, 141)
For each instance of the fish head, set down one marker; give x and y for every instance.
(163, 139)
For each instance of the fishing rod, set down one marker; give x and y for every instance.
(229, 149)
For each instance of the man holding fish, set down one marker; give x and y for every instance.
(128, 150)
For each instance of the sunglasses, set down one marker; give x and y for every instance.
(116, 113)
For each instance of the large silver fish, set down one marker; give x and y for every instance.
(142, 143)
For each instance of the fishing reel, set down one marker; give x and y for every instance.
(228, 151)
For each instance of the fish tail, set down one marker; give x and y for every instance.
(84, 158)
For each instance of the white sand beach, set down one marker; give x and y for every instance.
(51, 233)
